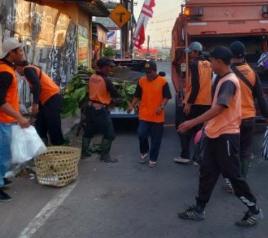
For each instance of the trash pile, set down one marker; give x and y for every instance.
(76, 92)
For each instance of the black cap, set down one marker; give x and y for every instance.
(223, 53)
(238, 49)
(150, 65)
(102, 62)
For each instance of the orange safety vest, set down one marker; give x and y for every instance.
(247, 98)
(205, 81)
(12, 97)
(48, 88)
(151, 100)
(227, 122)
(98, 91)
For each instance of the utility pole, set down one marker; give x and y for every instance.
(148, 45)
(125, 33)
(132, 28)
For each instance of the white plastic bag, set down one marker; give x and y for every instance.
(25, 144)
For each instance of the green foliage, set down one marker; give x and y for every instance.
(126, 90)
(76, 91)
(109, 52)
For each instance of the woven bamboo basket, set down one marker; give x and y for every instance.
(58, 167)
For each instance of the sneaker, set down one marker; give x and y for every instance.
(250, 219)
(143, 158)
(108, 159)
(181, 160)
(4, 197)
(192, 214)
(152, 164)
(228, 186)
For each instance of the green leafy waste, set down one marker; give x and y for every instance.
(76, 91)
(126, 90)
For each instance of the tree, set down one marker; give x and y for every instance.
(109, 52)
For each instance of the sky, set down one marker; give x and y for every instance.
(160, 26)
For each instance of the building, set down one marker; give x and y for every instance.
(99, 40)
(57, 34)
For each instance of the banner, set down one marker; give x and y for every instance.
(146, 13)
(111, 38)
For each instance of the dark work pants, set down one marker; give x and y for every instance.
(185, 138)
(246, 140)
(100, 122)
(155, 132)
(221, 156)
(48, 121)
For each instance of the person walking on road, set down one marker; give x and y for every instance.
(47, 103)
(197, 98)
(12, 52)
(98, 120)
(251, 89)
(222, 142)
(152, 94)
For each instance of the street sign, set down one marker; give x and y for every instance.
(120, 15)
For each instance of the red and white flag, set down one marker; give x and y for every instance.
(146, 13)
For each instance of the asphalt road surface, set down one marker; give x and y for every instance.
(129, 200)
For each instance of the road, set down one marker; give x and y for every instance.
(129, 200)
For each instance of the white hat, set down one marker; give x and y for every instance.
(8, 45)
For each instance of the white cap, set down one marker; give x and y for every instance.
(8, 45)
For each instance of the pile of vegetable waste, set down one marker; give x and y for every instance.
(76, 92)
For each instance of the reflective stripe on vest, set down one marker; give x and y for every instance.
(205, 82)
(229, 120)
(12, 97)
(152, 97)
(247, 98)
(48, 88)
(98, 91)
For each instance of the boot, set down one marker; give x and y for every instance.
(107, 158)
(105, 146)
(105, 155)
(86, 147)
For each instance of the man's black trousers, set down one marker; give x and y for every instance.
(48, 121)
(246, 141)
(221, 156)
(185, 138)
(99, 122)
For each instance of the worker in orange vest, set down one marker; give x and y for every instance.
(251, 89)
(222, 137)
(152, 95)
(47, 103)
(197, 98)
(12, 52)
(98, 120)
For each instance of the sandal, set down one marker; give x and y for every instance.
(152, 164)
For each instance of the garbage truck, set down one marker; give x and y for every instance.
(219, 22)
